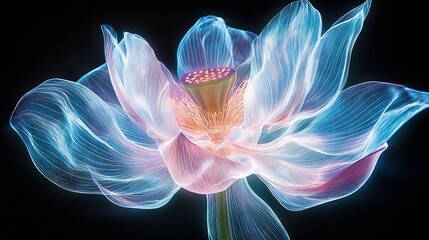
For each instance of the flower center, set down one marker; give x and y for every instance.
(214, 110)
(210, 88)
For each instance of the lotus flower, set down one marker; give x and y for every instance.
(271, 105)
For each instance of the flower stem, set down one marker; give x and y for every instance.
(223, 228)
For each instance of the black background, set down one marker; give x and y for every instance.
(42, 41)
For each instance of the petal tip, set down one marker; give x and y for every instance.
(210, 18)
(366, 6)
(105, 27)
(108, 30)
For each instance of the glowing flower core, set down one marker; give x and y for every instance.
(213, 110)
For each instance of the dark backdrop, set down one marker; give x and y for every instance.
(42, 41)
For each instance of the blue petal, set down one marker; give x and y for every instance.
(132, 130)
(328, 65)
(243, 72)
(275, 90)
(74, 140)
(241, 45)
(98, 81)
(249, 216)
(363, 118)
(207, 44)
(335, 154)
(242, 51)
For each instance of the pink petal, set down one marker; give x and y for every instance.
(314, 185)
(199, 170)
(141, 83)
(348, 180)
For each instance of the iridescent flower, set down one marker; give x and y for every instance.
(271, 105)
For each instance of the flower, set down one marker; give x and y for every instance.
(271, 105)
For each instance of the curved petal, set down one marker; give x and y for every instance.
(243, 73)
(249, 216)
(141, 83)
(98, 80)
(132, 130)
(241, 45)
(328, 65)
(348, 137)
(199, 170)
(242, 51)
(362, 118)
(274, 90)
(207, 44)
(74, 140)
(314, 186)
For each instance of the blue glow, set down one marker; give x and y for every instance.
(114, 132)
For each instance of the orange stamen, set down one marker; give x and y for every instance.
(192, 119)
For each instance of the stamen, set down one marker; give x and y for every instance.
(194, 120)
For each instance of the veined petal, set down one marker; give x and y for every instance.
(241, 45)
(75, 141)
(274, 91)
(98, 81)
(243, 72)
(207, 44)
(362, 118)
(301, 186)
(316, 164)
(141, 83)
(249, 216)
(199, 170)
(328, 65)
(132, 130)
(242, 52)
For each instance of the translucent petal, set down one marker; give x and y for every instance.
(207, 44)
(362, 118)
(328, 65)
(132, 130)
(241, 45)
(98, 81)
(74, 140)
(353, 130)
(243, 73)
(141, 83)
(249, 216)
(298, 187)
(274, 91)
(199, 170)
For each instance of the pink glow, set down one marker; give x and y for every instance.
(199, 170)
